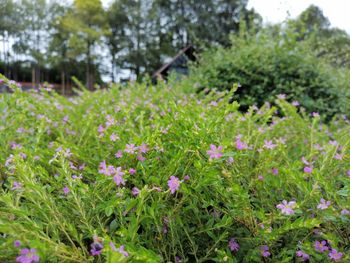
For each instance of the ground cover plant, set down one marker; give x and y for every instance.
(153, 174)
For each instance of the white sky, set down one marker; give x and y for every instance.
(274, 11)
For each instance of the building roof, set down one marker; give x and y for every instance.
(163, 71)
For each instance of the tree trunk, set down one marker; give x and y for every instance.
(33, 76)
(88, 67)
(113, 68)
(63, 84)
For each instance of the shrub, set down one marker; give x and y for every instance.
(268, 64)
(148, 174)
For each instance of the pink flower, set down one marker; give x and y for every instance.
(307, 169)
(132, 171)
(214, 152)
(287, 207)
(338, 156)
(141, 158)
(241, 145)
(118, 176)
(186, 178)
(323, 204)
(28, 256)
(119, 154)
(130, 148)
(114, 137)
(174, 184)
(143, 148)
(269, 145)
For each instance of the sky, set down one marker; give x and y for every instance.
(274, 11)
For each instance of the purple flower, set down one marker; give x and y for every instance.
(315, 114)
(102, 168)
(264, 250)
(323, 204)
(119, 154)
(335, 255)
(269, 145)
(233, 245)
(118, 176)
(132, 171)
(130, 148)
(345, 212)
(28, 256)
(17, 243)
(260, 177)
(96, 248)
(321, 246)
(114, 137)
(16, 185)
(214, 152)
(141, 158)
(143, 148)
(287, 207)
(281, 96)
(338, 156)
(174, 184)
(295, 103)
(135, 191)
(275, 171)
(66, 190)
(121, 249)
(301, 254)
(230, 160)
(307, 169)
(240, 145)
(101, 130)
(186, 178)
(349, 173)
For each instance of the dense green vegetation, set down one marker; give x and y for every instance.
(268, 65)
(155, 174)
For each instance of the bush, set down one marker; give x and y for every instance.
(148, 174)
(269, 64)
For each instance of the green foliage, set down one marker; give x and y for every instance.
(271, 63)
(45, 139)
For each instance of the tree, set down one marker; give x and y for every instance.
(87, 23)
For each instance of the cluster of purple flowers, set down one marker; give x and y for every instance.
(323, 246)
(287, 207)
(233, 245)
(110, 170)
(28, 256)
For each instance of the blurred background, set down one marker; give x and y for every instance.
(121, 40)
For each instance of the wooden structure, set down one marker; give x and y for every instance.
(178, 64)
